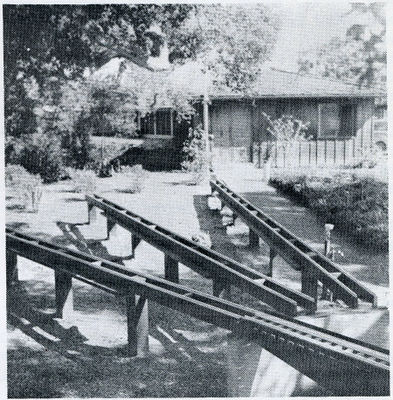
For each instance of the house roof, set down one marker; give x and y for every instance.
(271, 82)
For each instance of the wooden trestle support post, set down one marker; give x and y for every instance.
(110, 224)
(11, 267)
(91, 213)
(253, 239)
(309, 283)
(64, 294)
(137, 325)
(135, 240)
(272, 255)
(171, 269)
(221, 288)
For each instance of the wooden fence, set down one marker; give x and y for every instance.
(307, 153)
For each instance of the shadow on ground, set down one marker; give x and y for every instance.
(47, 358)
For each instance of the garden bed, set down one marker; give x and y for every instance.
(356, 204)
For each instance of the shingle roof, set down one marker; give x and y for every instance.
(271, 82)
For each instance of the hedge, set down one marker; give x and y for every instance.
(356, 205)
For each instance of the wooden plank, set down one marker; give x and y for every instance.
(171, 269)
(253, 239)
(64, 294)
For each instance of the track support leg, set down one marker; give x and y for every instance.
(221, 289)
(171, 269)
(272, 255)
(110, 224)
(64, 294)
(12, 267)
(135, 240)
(309, 283)
(253, 239)
(137, 325)
(91, 213)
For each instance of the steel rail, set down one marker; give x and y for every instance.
(205, 261)
(341, 364)
(294, 250)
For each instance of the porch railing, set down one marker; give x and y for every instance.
(307, 153)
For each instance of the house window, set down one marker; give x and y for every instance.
(336, 120)
(158, 123)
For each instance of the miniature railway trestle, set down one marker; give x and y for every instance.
(313, 265)
(341, 364)
(223, 270)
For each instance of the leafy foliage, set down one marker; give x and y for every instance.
(195, 158)
(83, 181)
(134, 177)
(360, 57)
(40, 154)
(26, 187)
(232, 40)
(286, 131)
(357, 205)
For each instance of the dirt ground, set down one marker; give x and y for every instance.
(83, 355)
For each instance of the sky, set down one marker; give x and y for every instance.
(309, 25)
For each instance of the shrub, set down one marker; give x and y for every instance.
(135, 177)
(83, 181)
(41, 154)
(77, 146)
(25, 186)
(195, 159)
(356, 205)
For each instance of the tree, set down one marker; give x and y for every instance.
(47, 48)
(360, 57)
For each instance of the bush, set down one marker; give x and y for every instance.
(41, 154)
(195, 158)
(83, 181)
(356, 205)
(77, 146)
(135, 177)
(25, 186)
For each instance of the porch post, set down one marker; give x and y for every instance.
(206, 126)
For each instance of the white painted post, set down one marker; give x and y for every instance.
(328, 253)
(206, 127)
(137, 325)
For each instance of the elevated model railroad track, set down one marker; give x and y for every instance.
(340, 364)
(222, 270)
(313, 265)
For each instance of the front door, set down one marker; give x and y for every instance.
(230, 123)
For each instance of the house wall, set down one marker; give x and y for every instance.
(237, 124)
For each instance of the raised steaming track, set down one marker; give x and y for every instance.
(313, 265)
(223, 270)
(341, 364)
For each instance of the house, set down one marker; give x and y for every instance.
(339, 114)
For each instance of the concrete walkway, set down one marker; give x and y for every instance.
(271, 376)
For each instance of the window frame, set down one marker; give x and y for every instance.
(154, 115)
(340, 135)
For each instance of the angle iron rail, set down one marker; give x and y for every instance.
(295, 251)
(206, 261)
(338, 363)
